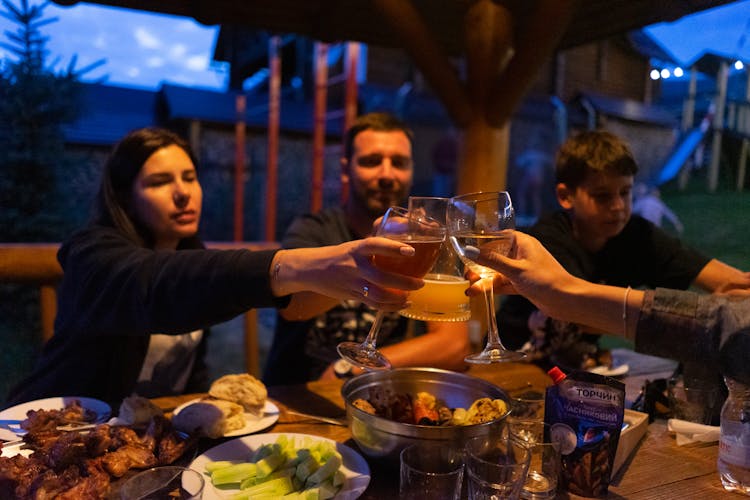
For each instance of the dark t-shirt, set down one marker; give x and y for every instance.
(302, 350)
(642, 256)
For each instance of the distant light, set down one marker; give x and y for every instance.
(678, 72)
(738, 65)
(665, 73)
(655, 74)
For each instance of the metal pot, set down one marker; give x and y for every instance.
(381, 438)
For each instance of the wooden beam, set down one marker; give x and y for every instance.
(428, 55)
(488, 33)
(536, 42)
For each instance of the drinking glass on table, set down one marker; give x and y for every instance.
(442, 298)
(544, 464)
(496, 467)
(484, 220)
(425, 235)
(430, 470)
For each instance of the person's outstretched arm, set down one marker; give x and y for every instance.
(344, 272)
(707, 332)
(533, 272)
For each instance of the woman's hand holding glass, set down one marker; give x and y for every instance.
(425, 236)
(346, 271)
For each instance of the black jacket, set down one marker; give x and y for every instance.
(114, 294)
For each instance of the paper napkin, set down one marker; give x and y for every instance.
(690, 432)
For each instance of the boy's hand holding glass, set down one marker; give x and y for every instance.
(483, 221)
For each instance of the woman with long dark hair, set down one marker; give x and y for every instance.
(139, 289)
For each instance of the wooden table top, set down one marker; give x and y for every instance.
(659, 469)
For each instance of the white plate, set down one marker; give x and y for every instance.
(252, 423)
(616, 371)
(18, 412)
(354, 467)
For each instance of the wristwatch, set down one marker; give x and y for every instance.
(342, 368)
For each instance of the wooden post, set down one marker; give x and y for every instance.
(274, 110)
(744, 130)
(319, 125)
(353, 51)
(352, 66)
(721, 82)
(688, 119)
(240, 104)
(484, 159)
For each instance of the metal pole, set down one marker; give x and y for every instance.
(240, 104)
(274, 109)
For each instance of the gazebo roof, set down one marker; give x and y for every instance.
(361, 20)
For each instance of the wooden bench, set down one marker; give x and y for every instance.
(36, 264)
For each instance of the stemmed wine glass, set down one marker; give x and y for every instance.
(483, 220)
(425, 235)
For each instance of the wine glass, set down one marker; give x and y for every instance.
(483, 220)
(425, 235)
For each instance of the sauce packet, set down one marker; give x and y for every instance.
(584, 412)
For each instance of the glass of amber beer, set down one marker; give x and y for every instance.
(426, 236)
(442, 298)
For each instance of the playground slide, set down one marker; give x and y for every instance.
(680, 155)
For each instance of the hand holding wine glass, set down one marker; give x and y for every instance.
(484, 220)
(425, 235)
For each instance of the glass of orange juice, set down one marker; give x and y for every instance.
(442, 298)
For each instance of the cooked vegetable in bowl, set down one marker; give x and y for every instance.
(389, 410)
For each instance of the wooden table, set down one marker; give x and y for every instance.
(659, 469)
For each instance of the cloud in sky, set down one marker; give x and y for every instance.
(724, 30)
(145, 39)
(143, 50)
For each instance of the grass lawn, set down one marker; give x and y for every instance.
(717, 224)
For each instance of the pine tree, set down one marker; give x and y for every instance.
(36, 100)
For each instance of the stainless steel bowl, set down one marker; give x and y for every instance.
(381, 438)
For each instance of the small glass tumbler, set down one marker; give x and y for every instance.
(544, 471)
(527, 405)
(164, 482)
(496, 467)
(692, 400)
(544, 465)
(430, 471)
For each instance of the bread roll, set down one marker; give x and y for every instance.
(210, 417)
(243, 389)
(136, 410)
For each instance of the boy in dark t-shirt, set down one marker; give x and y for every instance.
(595, 238)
